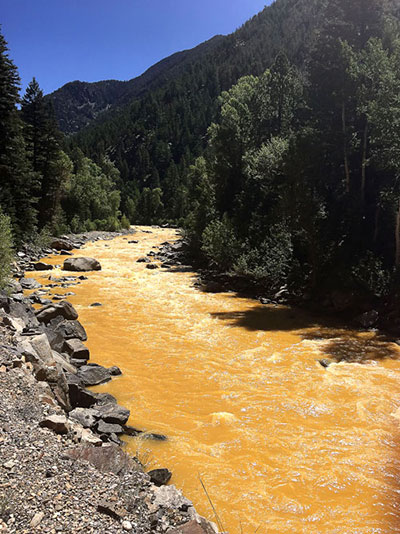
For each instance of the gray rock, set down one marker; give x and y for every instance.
(170, 498)
(108, 428)
(111, 509)
(152, 266)
(115, 371)
(160, 477)
(61, 244)
(96, 305)
(41, 347)
(41, 266)
(110, 459)
(65, 365)
(325, 362)
(57, 423)
(76, 349)
(29, 283)
(93, 375)
(87, 417)
(131, 431)
(143, 260)
(113, 413)
(81, 264)
(14, 287)
(78, 395)
(68, 329)
(51, 311)
(105, 398)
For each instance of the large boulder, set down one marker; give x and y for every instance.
(87, 417)
(108, 428)
(110, 459)
(92, 375)
(51, 311)
(81, 264)
(61, 244)
(113, 413)
(37, 349)
(29, 283)
(56, 423)
(76, 349)
(78, 395)
(42, 266)
(68, 329)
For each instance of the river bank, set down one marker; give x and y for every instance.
(62, 467)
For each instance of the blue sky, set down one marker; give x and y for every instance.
(58, 41)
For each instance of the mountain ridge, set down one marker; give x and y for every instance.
(78, 95)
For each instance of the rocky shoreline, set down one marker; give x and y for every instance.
(62, 467)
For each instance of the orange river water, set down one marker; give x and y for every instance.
(281, 444)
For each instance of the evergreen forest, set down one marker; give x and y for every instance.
(276, 149)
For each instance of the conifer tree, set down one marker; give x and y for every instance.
(42, 141)
(16, 178)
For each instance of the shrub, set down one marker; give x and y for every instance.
(371, 274)
(270, 262)
(125, 222)
(219, 243)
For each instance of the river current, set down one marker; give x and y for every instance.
(282, 445)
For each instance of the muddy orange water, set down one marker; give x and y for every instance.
(282, 445)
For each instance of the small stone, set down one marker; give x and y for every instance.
(37, 518)
(325, 363)
(160, 477)
(9, 465)
(115, 371)
(127, 525)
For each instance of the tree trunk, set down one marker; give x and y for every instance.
(398, 236)
(345, 155)
(364, 165)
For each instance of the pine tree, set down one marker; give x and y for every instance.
(16, 177)
(42, 141)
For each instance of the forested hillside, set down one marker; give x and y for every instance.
(76, 104)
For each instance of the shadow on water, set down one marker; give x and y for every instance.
(333, 340)
(267, 319)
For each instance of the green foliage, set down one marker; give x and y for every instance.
(219, 243)
(6, 249)
(125, 223)
(271, 262)
(371, 274)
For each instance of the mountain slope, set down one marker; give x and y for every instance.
(78, 103)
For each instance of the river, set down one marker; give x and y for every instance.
(282, 445)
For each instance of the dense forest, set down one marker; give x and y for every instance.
(276, 148)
